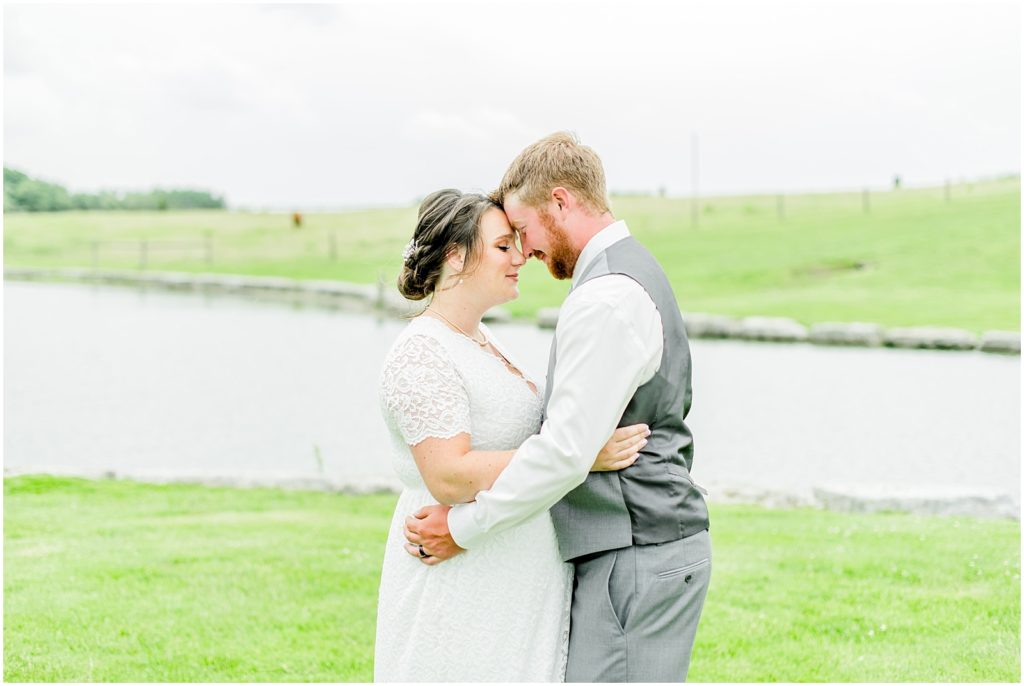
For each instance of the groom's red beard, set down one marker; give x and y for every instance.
(562, 259)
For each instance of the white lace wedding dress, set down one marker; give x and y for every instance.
(500, 611)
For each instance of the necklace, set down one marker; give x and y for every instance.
(501, 357)
(459, 329)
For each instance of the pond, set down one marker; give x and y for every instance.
(143, 381)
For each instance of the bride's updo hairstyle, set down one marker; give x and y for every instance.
(448, 219)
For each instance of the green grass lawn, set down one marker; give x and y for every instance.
(119, 581)
(913, 259)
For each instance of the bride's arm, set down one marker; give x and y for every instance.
(455, 474)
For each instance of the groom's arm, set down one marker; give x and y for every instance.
(609, 342)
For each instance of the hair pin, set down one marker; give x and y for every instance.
(410, 248)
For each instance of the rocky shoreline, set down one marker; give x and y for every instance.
(698, 324)
(941, 502)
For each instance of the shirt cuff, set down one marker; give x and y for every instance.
(462, 525)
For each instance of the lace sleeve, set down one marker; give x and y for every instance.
(422, 391)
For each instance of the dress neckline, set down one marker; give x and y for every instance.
(530, 384)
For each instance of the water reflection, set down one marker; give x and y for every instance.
(114, 378)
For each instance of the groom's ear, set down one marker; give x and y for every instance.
(561, 197)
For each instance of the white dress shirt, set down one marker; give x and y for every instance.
(609, 342)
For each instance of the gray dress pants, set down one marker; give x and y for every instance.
(635, 611)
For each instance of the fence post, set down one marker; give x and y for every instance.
(780, 207)
(143, 247)
(866, 201)
(947, 190)
(208, 246)
(334, 246)
(94, 248)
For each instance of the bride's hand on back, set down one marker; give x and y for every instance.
(622, 449)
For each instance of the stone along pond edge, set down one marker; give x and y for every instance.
(835, 498)
(698, 324)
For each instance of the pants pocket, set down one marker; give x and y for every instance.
(670, 573)
(618, 605)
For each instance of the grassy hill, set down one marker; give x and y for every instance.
(909, 257)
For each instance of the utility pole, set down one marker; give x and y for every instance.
(695, 177)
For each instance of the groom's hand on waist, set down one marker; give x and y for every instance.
(427, 535)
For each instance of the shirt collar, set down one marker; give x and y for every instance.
(601, 241)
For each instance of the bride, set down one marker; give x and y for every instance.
(457, 404)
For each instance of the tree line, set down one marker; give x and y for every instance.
(22, 193)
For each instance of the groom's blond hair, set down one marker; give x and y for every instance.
(556, 160)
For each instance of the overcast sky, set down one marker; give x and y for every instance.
(323, 106)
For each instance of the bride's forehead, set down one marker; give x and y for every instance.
(494, 224)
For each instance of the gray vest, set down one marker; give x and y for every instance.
(654, 500)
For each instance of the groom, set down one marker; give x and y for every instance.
(638, 538)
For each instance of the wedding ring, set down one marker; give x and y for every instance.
(423, 553)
